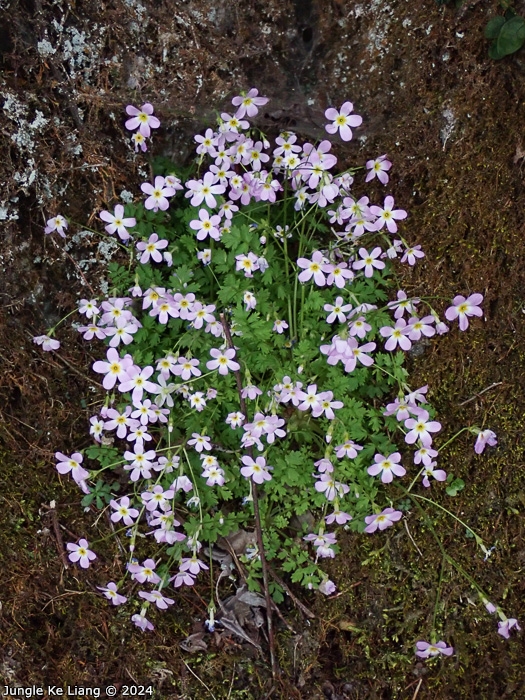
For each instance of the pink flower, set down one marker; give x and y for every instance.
(402, 409)
(396, 336)
(157, 499)
(182, 483)
(382, 520)
(323, 544)
(120, 421)
(331, 488)
(339, 275)
(310, 398)
(46, 342)
(200, 442)
(115, 368)
(193, 565)
(420, 326)
(151, 248)
(258, 470)
(234, 420)
(342, 121)
(429, 471)
(58, 224)
(204, 190)
(424, 455)
(123, 511)
(369, 261)
(207, 143)
(139, 141)
(485, 437)
(187, 368)
(327, 587)
(411, 254)
(314, 268)
(213, 476)
(223, 361)
(156, 597)
(506, 625)
(182, 577)
(71, 464)
(248, 104)
(377, 168)
(251, 392)
(387, 466)
(111, 593)
(425, 649)
(122, 331)
(387, 216)
(324, 465)
(421, 428)
(464, 307)
(144, 572)
(403, 304)
(337, 311)
(490, 607)
(158, 194)
(348, 449)
(338, 516)
(250, 300)
(247, 263)
(97, 427)
(142, 119)
(441, 327)
(89, 308)
(231, 124)
(141, 462)
(81, 553)
(417, 395)
(204, 256)
(206, 225)
(280, 326)
(117, 222)
(326, 405)
(142, 622)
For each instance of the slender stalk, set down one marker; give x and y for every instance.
(438, 594)
(257, 516)
(478, 539)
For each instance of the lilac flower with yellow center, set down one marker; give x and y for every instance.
(387, 467)
(142, 119)
(485, 437)
(342, 120)
(382, 520)
(421, 428)
(81, 553)
(369, 261)
(112, 594)
(316, 267)
(463, 308)
(117, 223)
(425, 649)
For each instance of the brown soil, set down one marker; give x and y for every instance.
(452, 121)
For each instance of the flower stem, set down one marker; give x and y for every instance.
(257, 516)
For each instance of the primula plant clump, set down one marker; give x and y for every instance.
(252, 359)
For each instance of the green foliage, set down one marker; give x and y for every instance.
(101, 494)
(291, 500)
(506, 33)
(454, 485)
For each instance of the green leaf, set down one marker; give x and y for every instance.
(455, 485)
(494, 26)
(511, 36)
